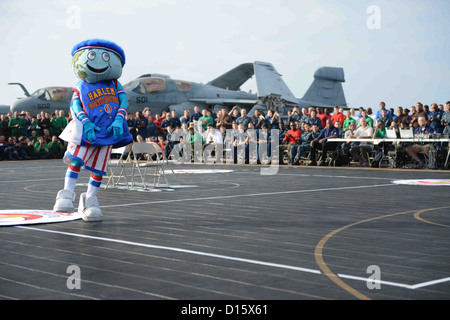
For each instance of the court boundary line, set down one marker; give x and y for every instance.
(318, 253)
(238, 259)
(248, 195)
(323, 270)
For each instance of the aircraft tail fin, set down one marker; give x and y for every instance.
(269, 82)
(327, 87)
(22, 86)
(234, 78)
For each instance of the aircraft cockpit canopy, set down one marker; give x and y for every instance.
(154, 84)
(52, 93)
(183, 86)
(146, 85)
(135, 86)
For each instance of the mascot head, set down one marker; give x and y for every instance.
(97, 59)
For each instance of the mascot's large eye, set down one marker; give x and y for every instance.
(105, 56)
(91, 55)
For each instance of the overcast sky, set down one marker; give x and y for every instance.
(393, 51)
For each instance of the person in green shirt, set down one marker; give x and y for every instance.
(382, 148)
(380, 132)
(369, 120)
(61, 119)
(347, 121)
(33, 137)
(54, 125)
(17, 124)
(196, 140)
(205, 119)
(41, 149)
(55, 148)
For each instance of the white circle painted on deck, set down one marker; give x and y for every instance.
(16, 217)
(424, 182)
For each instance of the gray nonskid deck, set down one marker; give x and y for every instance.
(304, 233)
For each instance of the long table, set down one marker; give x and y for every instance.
(378, 140)
(397, 141)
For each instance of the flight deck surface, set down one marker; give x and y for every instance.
(232, 234)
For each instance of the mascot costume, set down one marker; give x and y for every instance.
(98, 108)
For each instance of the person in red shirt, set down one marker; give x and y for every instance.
(293, 135)
(338, 115)
(324, 116)
(158, 120)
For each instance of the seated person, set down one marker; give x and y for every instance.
(305, 143)
(291, 137)
(314, 119)
(41, 149)
(214, 144)
(264, 144)
(361, 152)
(241, 145)
(322, 142)
(415, 149)
(196, 141)
(2, 147)
(349, 134)
(9, 150)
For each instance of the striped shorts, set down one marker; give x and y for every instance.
(94, 159)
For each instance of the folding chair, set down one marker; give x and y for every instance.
(430, 159)
(116, 164)
(143, 154)
(448, 156)
(164, 159)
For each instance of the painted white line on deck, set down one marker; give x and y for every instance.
(199, 253)
(429, 283)
(248, 195)
(396, 284)
(224, 257)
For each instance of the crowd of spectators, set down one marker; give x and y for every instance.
(303, 129)
(26, 137)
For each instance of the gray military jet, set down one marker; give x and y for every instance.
(160, 92)
(46, 99)
(4, 109)
(325, 91)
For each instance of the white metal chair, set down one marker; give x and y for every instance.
(162, 156)
(147, 155)
(118, 164)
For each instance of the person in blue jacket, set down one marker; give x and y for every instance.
(99, 106)
(324, 142)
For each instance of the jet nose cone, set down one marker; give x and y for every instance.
(18, 105)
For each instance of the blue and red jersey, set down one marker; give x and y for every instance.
(100, 104)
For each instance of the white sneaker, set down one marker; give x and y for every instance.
(89, 208)
(64, 201)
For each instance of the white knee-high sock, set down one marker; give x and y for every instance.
(94, 184)
(71, 177)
